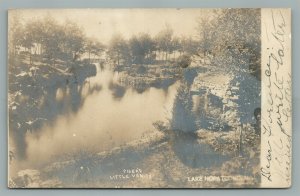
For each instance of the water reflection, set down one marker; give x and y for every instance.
(105, 113)
(118, 91)
(107, 118)
(41, 97)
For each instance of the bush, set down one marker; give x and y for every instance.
(184, 61)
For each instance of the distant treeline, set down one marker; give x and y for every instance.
(226, 36)
(51, 40)
(144, 49)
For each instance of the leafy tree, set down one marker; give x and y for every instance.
(52, 39)
(74, 40)
(235, 36)
(93, 47)
(36, 30)
(164, 41)
(47, 38)
(98, 49)
(147, 44)
(188, 45)
(118, 50)
(205, 36)
(137, 53)
(206, 30)
(141, 47)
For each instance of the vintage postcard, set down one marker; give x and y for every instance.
(149, 98)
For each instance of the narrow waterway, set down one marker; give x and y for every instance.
(111, 116)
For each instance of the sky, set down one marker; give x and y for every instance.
(103, 23)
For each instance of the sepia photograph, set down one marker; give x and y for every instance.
(146, 98)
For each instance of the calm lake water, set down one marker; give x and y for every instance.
(109, 117)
